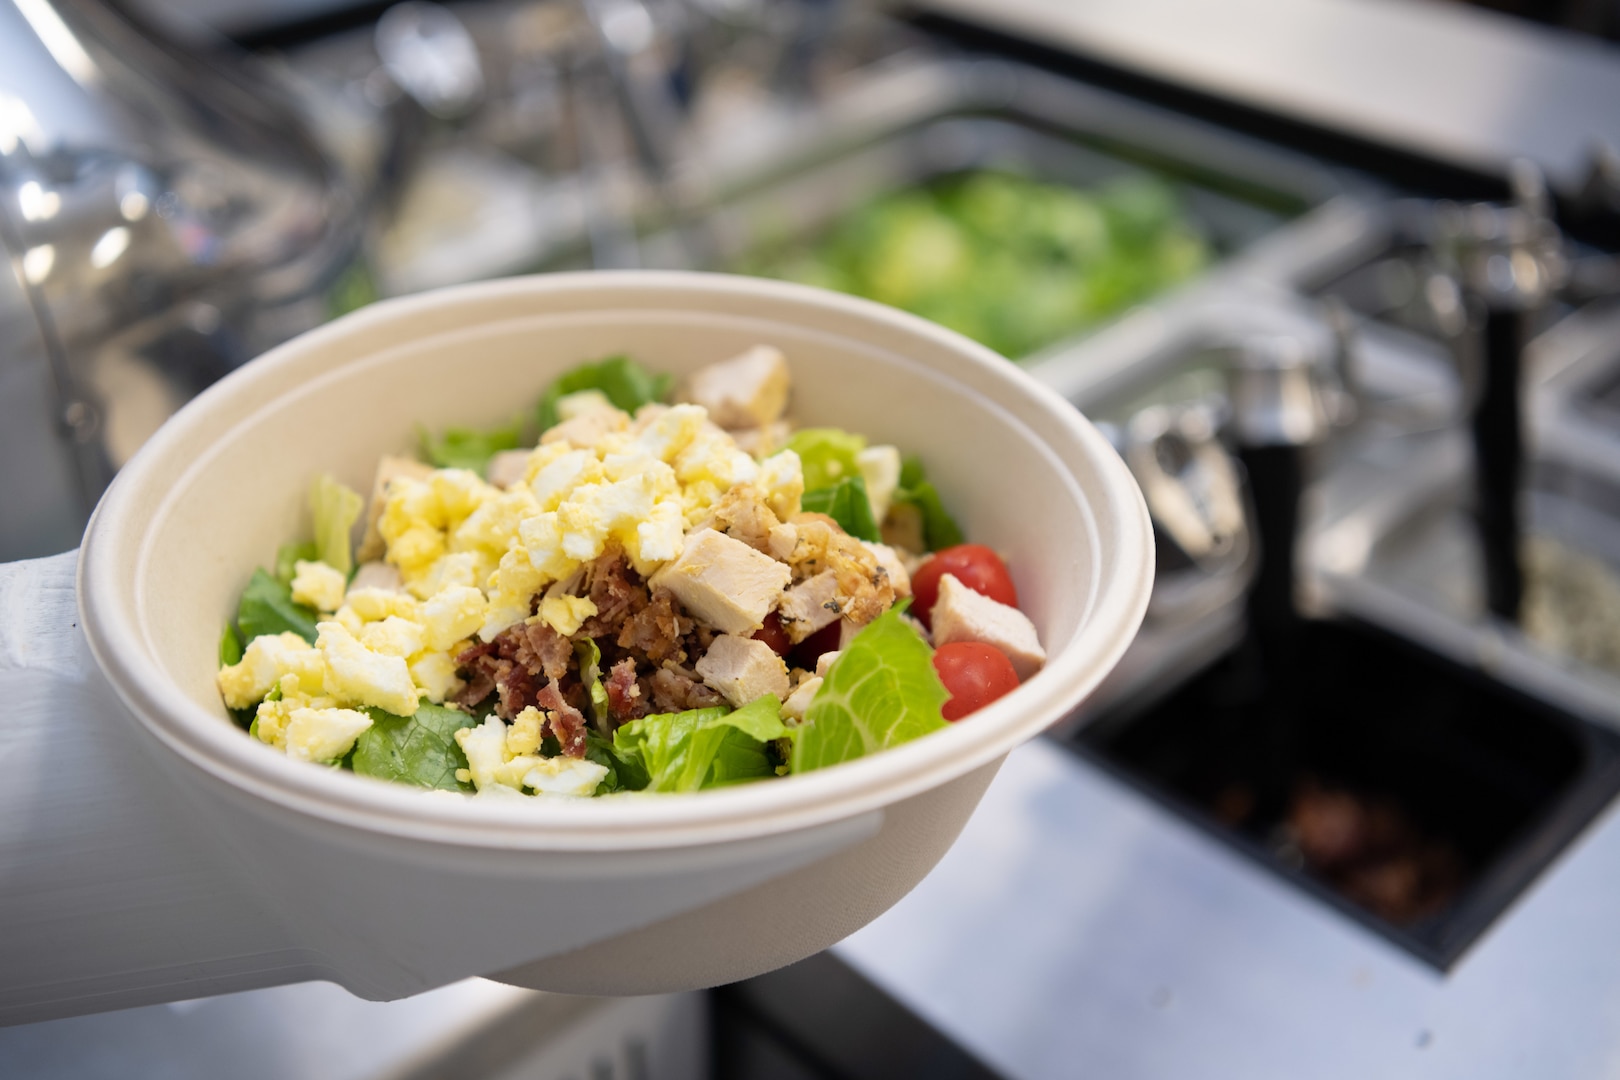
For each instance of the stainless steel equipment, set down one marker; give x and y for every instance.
(166, 215)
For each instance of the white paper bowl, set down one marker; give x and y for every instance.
(389, 890)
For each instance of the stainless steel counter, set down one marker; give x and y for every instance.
(1077, 929)
(1445, 82)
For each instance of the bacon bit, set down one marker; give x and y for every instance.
(516, 689)
(538, 648)
(566, 723)
(674, 690)
(616, 590)
(624, 695)
(657, 629)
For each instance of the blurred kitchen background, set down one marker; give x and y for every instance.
(1337, 278)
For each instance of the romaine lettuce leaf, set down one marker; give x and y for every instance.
(289, 555)
(335, 508)
(267, 607)
(847, 503)
(880, 692)
(827, 455)
(626, 383)
(420, 749)
(589, 657)
(939, 529)
(230, 647)
(625, 772)
(466, 448)
(703, 748)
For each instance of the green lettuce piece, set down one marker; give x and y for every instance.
(704, 748)
(827, 455)
(847, 503)
(335, 508)
(625, 772)
(267, 607)
(289, 555)
(626, 383)
(881, 691)
(467, 448)
(939, 528)
(230, 647)
(590, 673)
(420, 749)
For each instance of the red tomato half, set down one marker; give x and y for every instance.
(807, 652)
(773, 634)
(975, 674)
(974, 565)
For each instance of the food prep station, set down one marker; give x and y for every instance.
(1345, 807)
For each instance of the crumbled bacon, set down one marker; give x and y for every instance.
(512, 665)
(625, 701)
(563, 721)
(615, 589)
(539, 648)
(657, 629)
(675, 690)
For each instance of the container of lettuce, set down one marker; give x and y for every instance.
(706, 874)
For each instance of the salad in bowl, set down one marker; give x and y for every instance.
(643, 585)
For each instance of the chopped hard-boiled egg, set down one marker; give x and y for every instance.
(319, 586)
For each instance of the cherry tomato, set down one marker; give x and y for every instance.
(807, 652)
(773, 635)
(974, 565)
(975, 674)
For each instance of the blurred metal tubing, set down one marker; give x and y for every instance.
(166, 214)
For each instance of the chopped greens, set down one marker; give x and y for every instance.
(625, 772)
(420, 749)
(230, 647)
(1008, 260)
(589, 655)
(335, 508)
(703, 748)
(847, 503)
(289, 555)
(880, 692)
(939, 529)
(626, 383)
(267, 607)
(826, 454)
(467, 448)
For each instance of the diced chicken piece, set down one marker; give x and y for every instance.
(825, 661)
(747, 391)
(743, 669)
(765, 440)
(507, 468)
(587, 429)
(798, 702)
(377, 575)
(960, 614)
(781, 541)
(880, 468)
(724, 582)
(389, 467)
(889, 559)
(810, 605)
